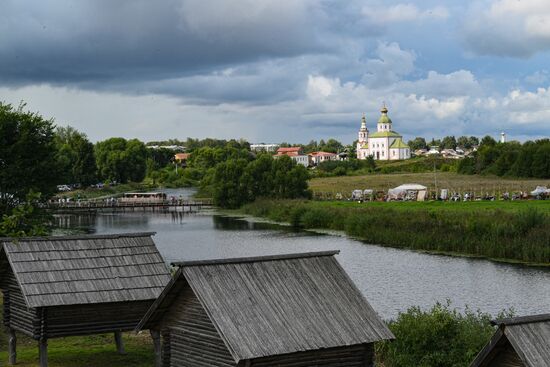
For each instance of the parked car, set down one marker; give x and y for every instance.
(63, 188)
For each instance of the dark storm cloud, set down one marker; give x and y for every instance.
(138, 40)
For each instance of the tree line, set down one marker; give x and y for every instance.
(448, 142)
(513, 159)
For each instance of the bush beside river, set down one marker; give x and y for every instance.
(516, 232)
(441, 337)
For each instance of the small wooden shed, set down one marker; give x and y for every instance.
(78, 285)
(290, 310)
(518, 342)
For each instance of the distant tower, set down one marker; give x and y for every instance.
(363, 131)
(503, 137)
(363, 138)
(384, 123)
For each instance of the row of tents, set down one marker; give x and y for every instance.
(407, 192)
(417, 192)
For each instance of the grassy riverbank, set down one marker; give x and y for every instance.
(504, 231)
(85, 351)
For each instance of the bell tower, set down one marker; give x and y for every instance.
(362, 141)
(363, 131)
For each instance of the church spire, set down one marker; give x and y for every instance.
(363, 122)
(384, 109)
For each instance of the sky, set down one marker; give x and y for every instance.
(272, 71)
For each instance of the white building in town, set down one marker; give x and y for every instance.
(317, 158)
(264, 147)
(385, 144)
(296, 154)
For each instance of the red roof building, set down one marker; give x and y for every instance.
(291, 151)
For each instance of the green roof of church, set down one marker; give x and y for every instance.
(384, 134)
(384, 119)
(398, 144)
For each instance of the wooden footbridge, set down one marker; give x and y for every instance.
(187, 205)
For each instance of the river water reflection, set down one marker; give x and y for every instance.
(391, 279)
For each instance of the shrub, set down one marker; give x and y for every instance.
(439, 337)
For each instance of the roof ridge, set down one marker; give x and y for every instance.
(76, 237)
(239, 260)
(522, 320)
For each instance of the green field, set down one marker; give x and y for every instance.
(441, 180)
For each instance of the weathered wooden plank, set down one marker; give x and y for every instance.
(12, 347)
(119, 343)
(252, 259)
(157, 347)
(43, 352)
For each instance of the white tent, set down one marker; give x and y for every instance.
(415, 187)
(408, 192)
(540, 190)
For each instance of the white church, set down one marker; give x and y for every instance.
(385, 144)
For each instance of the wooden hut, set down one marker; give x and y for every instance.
(518, 342)
(78, 285)
(289, 310)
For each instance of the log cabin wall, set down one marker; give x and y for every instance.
(16, 313)
(190, 338)
(95, 318)
(353, 356)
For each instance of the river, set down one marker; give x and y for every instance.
(391, 279)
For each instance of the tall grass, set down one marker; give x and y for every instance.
(522, 235)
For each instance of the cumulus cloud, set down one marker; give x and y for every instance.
(528, 107)
(406, 12)
(413, 113)
(389, 66)
(460, 82)
(105, 42)
(508, 28)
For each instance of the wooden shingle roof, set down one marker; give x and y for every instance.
(529, 336)
(274, 305)
(58, 271)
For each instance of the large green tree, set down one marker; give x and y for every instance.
(541, 160)
(75, 157)
(27, 156)
(121, 160)
(332, 145)
(417, 143)
(449, 142)
(235, 182)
